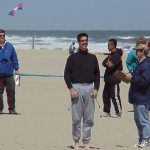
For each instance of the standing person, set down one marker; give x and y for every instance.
(132, 61)
(139, 95)
(82, 77)
(72, 48)
(148, 45)
(8, 63)
(111, 90)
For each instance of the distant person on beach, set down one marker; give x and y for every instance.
(112, 63)
(139, 95)
(82, 77)
(8, 64)
(148, 45)
(131, 61)
(72, 48)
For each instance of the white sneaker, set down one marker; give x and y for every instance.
(105, 114)
(137, 144)
(144, 144)
(118, 115)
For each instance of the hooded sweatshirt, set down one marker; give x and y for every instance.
(115, 58)
(139, 92)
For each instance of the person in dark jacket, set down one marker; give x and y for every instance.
(139, 95)
(8, 64)
(111, 90)
(82, 77)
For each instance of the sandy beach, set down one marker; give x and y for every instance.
(44, 122)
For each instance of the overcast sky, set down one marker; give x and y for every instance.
(77, 14)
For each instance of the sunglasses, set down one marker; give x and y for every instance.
(2, 35)
(139, 50)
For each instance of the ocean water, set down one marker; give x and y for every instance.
(56, 39)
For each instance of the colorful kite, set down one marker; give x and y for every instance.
(14, 11)
(19, 6)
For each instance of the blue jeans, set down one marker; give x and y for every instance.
(141, 117)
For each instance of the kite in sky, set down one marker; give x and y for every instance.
(14, 11)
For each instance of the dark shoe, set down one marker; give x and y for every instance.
(12, 112)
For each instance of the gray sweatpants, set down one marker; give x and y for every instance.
(83, 107)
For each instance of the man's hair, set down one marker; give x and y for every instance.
(140, 40)
(114, 42)
(80, 35)
(2, 31)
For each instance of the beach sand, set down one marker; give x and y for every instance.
(44, 122)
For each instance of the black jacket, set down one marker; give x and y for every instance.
(116, 59)
(139, 92)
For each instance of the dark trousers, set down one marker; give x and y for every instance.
(112, 92)
(8, 84)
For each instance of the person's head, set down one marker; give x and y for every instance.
(112, 44)
(140, 40)
(82, 39)
(2, 36)
(141, 51)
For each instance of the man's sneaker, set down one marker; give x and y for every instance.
(12, 112)
(105, 114)
(117, 115)
(143, 144)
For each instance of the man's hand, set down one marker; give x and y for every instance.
(17, 72)
(73, 93)
(128, 77)
(109, 64)
(94, 93)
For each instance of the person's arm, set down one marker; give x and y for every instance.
(67, 73)
(115, 59)
(142, 79)
(14, 60)
(104, 62)
(97, 76)
(67, 77)
(97, 80)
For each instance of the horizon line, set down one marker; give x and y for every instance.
(76, 30)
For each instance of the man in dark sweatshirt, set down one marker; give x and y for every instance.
(82, 77)
(111, 90)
